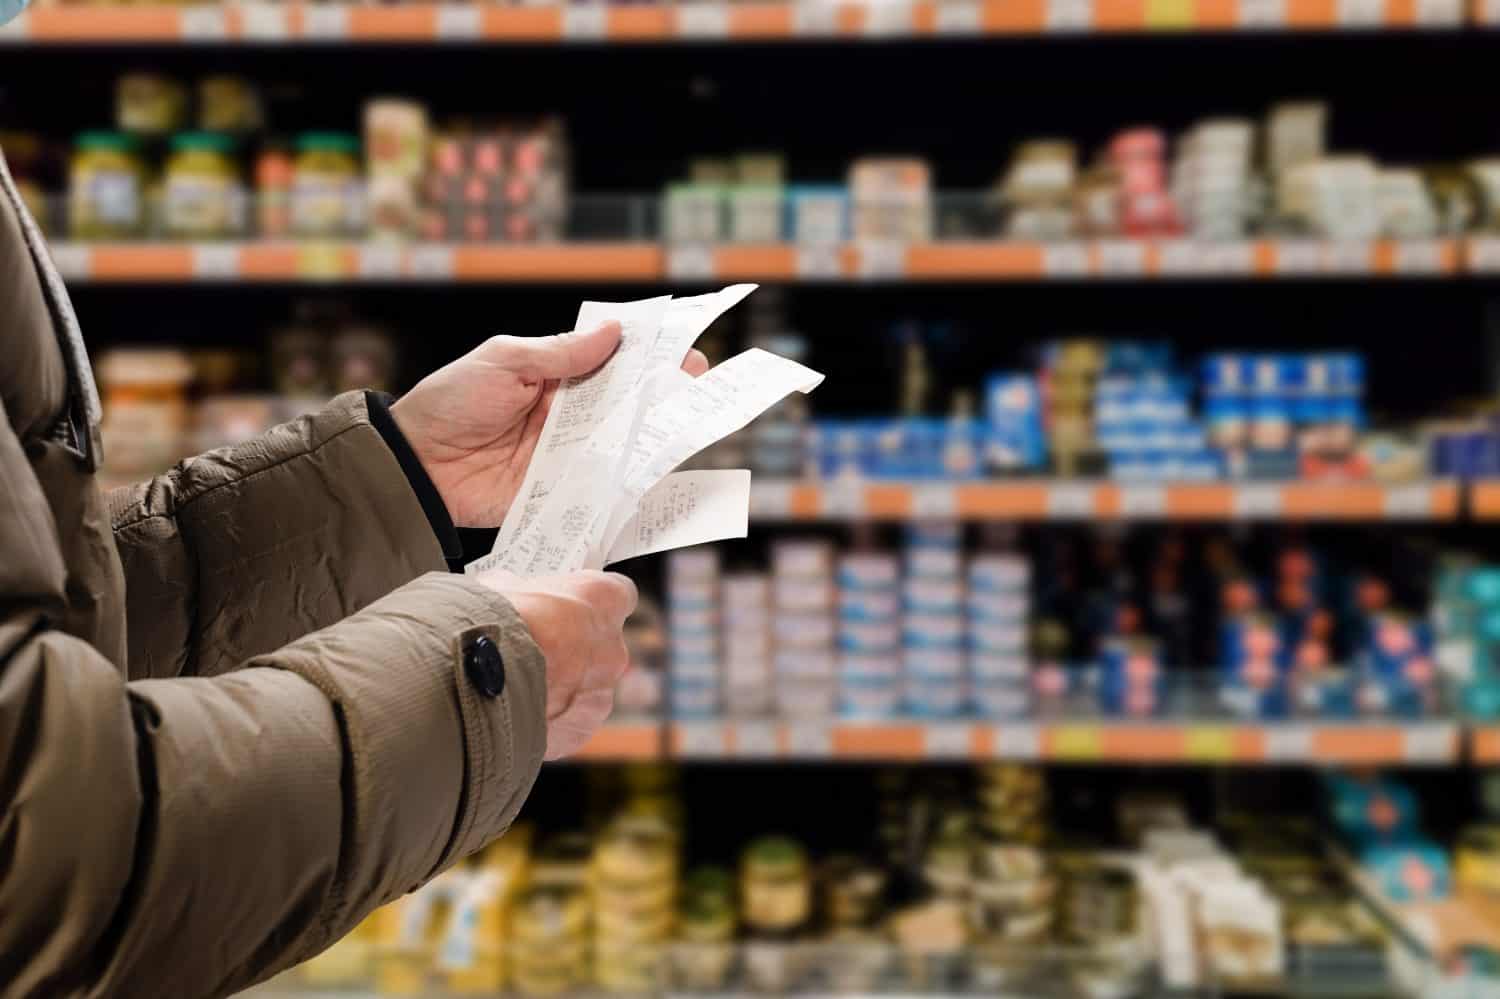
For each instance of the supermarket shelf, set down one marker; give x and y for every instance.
(1484, 744)
(1041, 499)
(298, 23)
(649, 261)
(1426, 743)
(627, 740)
(1226, 743)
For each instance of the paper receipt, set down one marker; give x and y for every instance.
(601, 486)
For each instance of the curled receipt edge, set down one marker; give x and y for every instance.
(603, 489)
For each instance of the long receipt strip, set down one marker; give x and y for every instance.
(600, 487)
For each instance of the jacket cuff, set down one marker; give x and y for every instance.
(435, 768)
(378, 405)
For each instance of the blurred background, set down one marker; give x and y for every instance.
(1121, 616)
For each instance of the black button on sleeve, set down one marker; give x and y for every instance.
(484, 665)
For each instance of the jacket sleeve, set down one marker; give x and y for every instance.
(190, 836)
(243, 549)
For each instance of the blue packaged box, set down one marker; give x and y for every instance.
(1003, 666)
(999, 574)
(934, 563)
(1124, 698)
(1001, 700)
(942, 595)
(1256, 703)
(938, 664)
(936, 697)
(991, 606)
(866, 571)
(998, 637)
(933, 631)
(869, 636)
(693, 698)
(1415, 871)
(869, 605)
(817, 213)
(875, 697)
(1013, 412)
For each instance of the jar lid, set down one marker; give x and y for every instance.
(202, 142)
(327, 142)
(121, 142)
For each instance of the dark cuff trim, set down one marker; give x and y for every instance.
(378, 404)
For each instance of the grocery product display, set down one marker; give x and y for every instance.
(1119, 619)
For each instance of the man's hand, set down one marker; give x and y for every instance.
(474, 423)
(576, 619)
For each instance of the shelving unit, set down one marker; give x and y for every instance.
(709, 21)
(683, 79)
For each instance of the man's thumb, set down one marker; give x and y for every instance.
(570, 354)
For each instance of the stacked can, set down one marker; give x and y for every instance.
(999, 607)
(1211, 179)
(1132, 678)
(932, 628)
(746, 643)
(869, 634)
(634, 882)
(693, 626)
(1137, 157)
(803, 627)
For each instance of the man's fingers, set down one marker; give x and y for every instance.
(566, 354)
(695, 363)
(609, 592)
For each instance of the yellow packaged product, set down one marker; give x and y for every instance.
(472, 956)
(327, 196)
(149, 104)
(1476, 859)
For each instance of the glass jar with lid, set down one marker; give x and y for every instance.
(105, 196)
(202, 197)
(327, 197)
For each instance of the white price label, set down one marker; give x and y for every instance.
(325, 22)
(1299, 256)
(264, 22)
(808, 738)
(1288, 743)
(1182, 257)
(843, 499)
(936, 501)
(1018, 742)
(1419, 256)
(959, 17)
(1484, 251)
(1262, 13)
(203, 24)
(700, 739)
(1345, 257)
(1065, 259)
(882, 259)
(703, 19)
(770, 500)
(1438, 13)
(818, 261)
(887, 18)
(585, 21)
(380, 261)
(1070, 501)
(72, 260)
(1121, 257)
(757, 740)
(1361, 13)
(459, 22)
(1069, 15)
(949, 742)
(1143, 501)
(693, 262)
(815, 17)
(15, 30)
(1409, 502)
(216, 262)
(1236, 259)
(1257, 500)
(434, 263)
(1430, 744)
